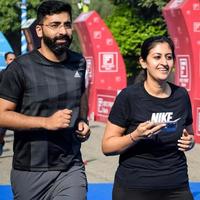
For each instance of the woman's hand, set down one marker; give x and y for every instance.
(186, 142)
(147, 129)
(115, 141)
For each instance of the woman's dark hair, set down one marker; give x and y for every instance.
(52, 7)
(149, 44)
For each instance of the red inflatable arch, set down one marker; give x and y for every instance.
(105, 65)
(183, 22)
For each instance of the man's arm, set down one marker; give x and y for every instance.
(84, 106)
(83, 129)
(9, 118)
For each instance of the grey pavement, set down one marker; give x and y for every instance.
(99, 168)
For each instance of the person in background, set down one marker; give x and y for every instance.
(150, 126)
(42, 98)
(9, 57)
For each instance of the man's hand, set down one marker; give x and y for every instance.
(83, 131)
(186, 142)
(60, 119)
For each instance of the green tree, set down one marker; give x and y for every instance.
(104, 12)
(152, 4)
(131, 22)
(11, 17)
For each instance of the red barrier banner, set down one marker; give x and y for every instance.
(105, 100)
(183, 22)
(106, 71)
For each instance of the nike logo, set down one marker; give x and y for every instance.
(161, 117)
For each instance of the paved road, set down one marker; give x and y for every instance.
(99, 168)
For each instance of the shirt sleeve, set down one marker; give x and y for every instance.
(1, 74)
(189, 119)
(82, 68)
(11, 85)
(120, 110)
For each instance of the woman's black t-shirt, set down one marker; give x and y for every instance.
(155, 162)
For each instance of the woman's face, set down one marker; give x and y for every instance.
(159, 62)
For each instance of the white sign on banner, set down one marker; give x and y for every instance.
(198, 121)
(108, 62)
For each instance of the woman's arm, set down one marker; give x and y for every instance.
(115, 142)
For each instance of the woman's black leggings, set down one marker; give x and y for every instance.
(120, 193)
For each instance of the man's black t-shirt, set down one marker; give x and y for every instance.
(154, 162)
(40, 87)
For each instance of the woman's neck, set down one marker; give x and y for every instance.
(161, 90)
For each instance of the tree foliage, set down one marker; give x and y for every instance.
(131, 23)
(104, 12)
(10, 14)
(10, 21)
(158, 4)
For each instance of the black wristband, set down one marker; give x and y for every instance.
(83, 138)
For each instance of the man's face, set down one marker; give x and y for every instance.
(57, 32)
(10, 58)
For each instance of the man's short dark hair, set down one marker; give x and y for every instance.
(7, 53)
(52, 7)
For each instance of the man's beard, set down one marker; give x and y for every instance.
(56, 48)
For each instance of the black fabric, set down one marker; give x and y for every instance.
(153, 162)
(1, 74)
(181, 193)
(40, 87)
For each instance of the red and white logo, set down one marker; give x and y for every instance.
(104, 104)
(90, 69)
(196, 26)
(198, 121)
(184, 71)
(108, 62)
